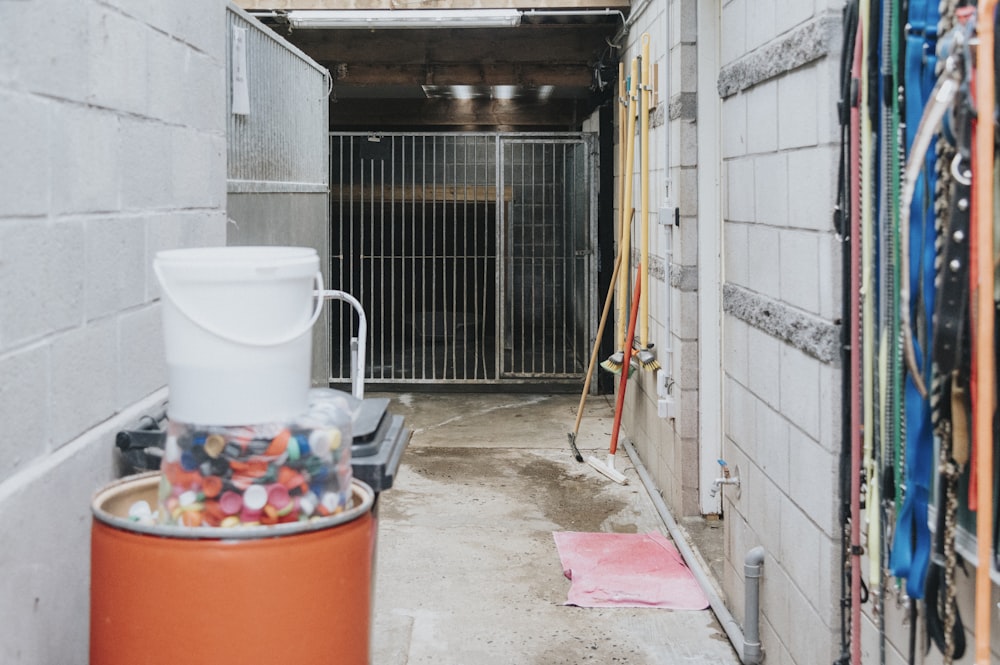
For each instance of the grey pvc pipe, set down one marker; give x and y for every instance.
(747, 648)
(752, 565)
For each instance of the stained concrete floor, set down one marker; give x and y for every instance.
(467, 568)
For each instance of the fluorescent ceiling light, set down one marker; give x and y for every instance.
(405, 18)
(499, 92)
(504, 91)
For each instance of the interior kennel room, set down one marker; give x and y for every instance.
(465, 193)
(474, 252)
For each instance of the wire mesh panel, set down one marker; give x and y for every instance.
(272, 142)
(417, 236)
(548, 230)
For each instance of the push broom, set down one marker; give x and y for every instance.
(645, 356)
(608, 468)
(593, 355)
(618, 359)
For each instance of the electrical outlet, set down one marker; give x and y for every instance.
(666, 408)
(661, 383)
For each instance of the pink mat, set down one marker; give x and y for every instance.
(627, 570)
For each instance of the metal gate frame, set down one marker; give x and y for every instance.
(581, 289)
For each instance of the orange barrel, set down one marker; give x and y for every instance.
(293, 593)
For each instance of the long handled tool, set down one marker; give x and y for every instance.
(645, 356)
(982, 300)
(593, 356)
(619, 358)
(608, 468)
(855, 345)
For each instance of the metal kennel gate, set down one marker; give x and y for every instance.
(472, 254)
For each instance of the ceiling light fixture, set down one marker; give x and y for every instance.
(404, 18)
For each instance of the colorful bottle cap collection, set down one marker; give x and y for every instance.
(254, 475)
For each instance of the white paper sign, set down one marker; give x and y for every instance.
(241, 91)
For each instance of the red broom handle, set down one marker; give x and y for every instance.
(626, 364)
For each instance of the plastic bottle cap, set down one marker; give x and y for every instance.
(188, 461)
(231, 502)
(307, 504)
(294, 451)
(211, 486)
(140, 510)
(278, 443)
(191, 518)
(214, 445)
(248, 516)
(187, 498)
(255, 497)
(214, 513)
(330, 501)
(320, 441)
(277, 496)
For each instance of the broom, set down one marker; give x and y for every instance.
(617, 359)
(608, 468)
(645, 356)
(593, 355)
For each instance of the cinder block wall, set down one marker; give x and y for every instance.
(781, 297)
(669, 446)
(112, 128)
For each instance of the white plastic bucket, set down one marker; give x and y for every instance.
(236, 325)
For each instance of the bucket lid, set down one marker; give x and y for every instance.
(111, 503)
(242, 262)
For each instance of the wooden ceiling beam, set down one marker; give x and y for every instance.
(551, 45)
(381, 114)
(363, 74)
(433, 4)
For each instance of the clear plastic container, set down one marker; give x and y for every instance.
(272, 473)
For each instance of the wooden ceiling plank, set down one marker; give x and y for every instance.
(549, 45)
(360, 74)
(361, 113)
(257, 5)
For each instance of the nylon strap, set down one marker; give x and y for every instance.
(912, 543)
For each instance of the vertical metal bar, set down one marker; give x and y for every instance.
(354, 241)
(410, 353)
(568, 256)
(476, 321)
(452, 328)
(462, 231)
(501, 259)
(421, 321)
(335, 244)
(356, 238)
(431, 313)
(530, 247)
(516, 232)
(391, 319)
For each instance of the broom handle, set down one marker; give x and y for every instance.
(597, 342)
(983, 308)
(629, 338)
(644, 99)
(626, 212)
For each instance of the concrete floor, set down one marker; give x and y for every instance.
(467, 570)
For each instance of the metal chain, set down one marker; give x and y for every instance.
(949, 473)
(946, 9)
(948, 469)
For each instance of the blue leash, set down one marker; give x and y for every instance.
(911, 547)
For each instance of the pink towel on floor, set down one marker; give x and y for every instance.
(627, 570)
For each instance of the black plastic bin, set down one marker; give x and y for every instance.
(379, 439)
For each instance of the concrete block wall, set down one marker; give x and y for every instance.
(781, 297)
(112, 123)
(668, 447)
